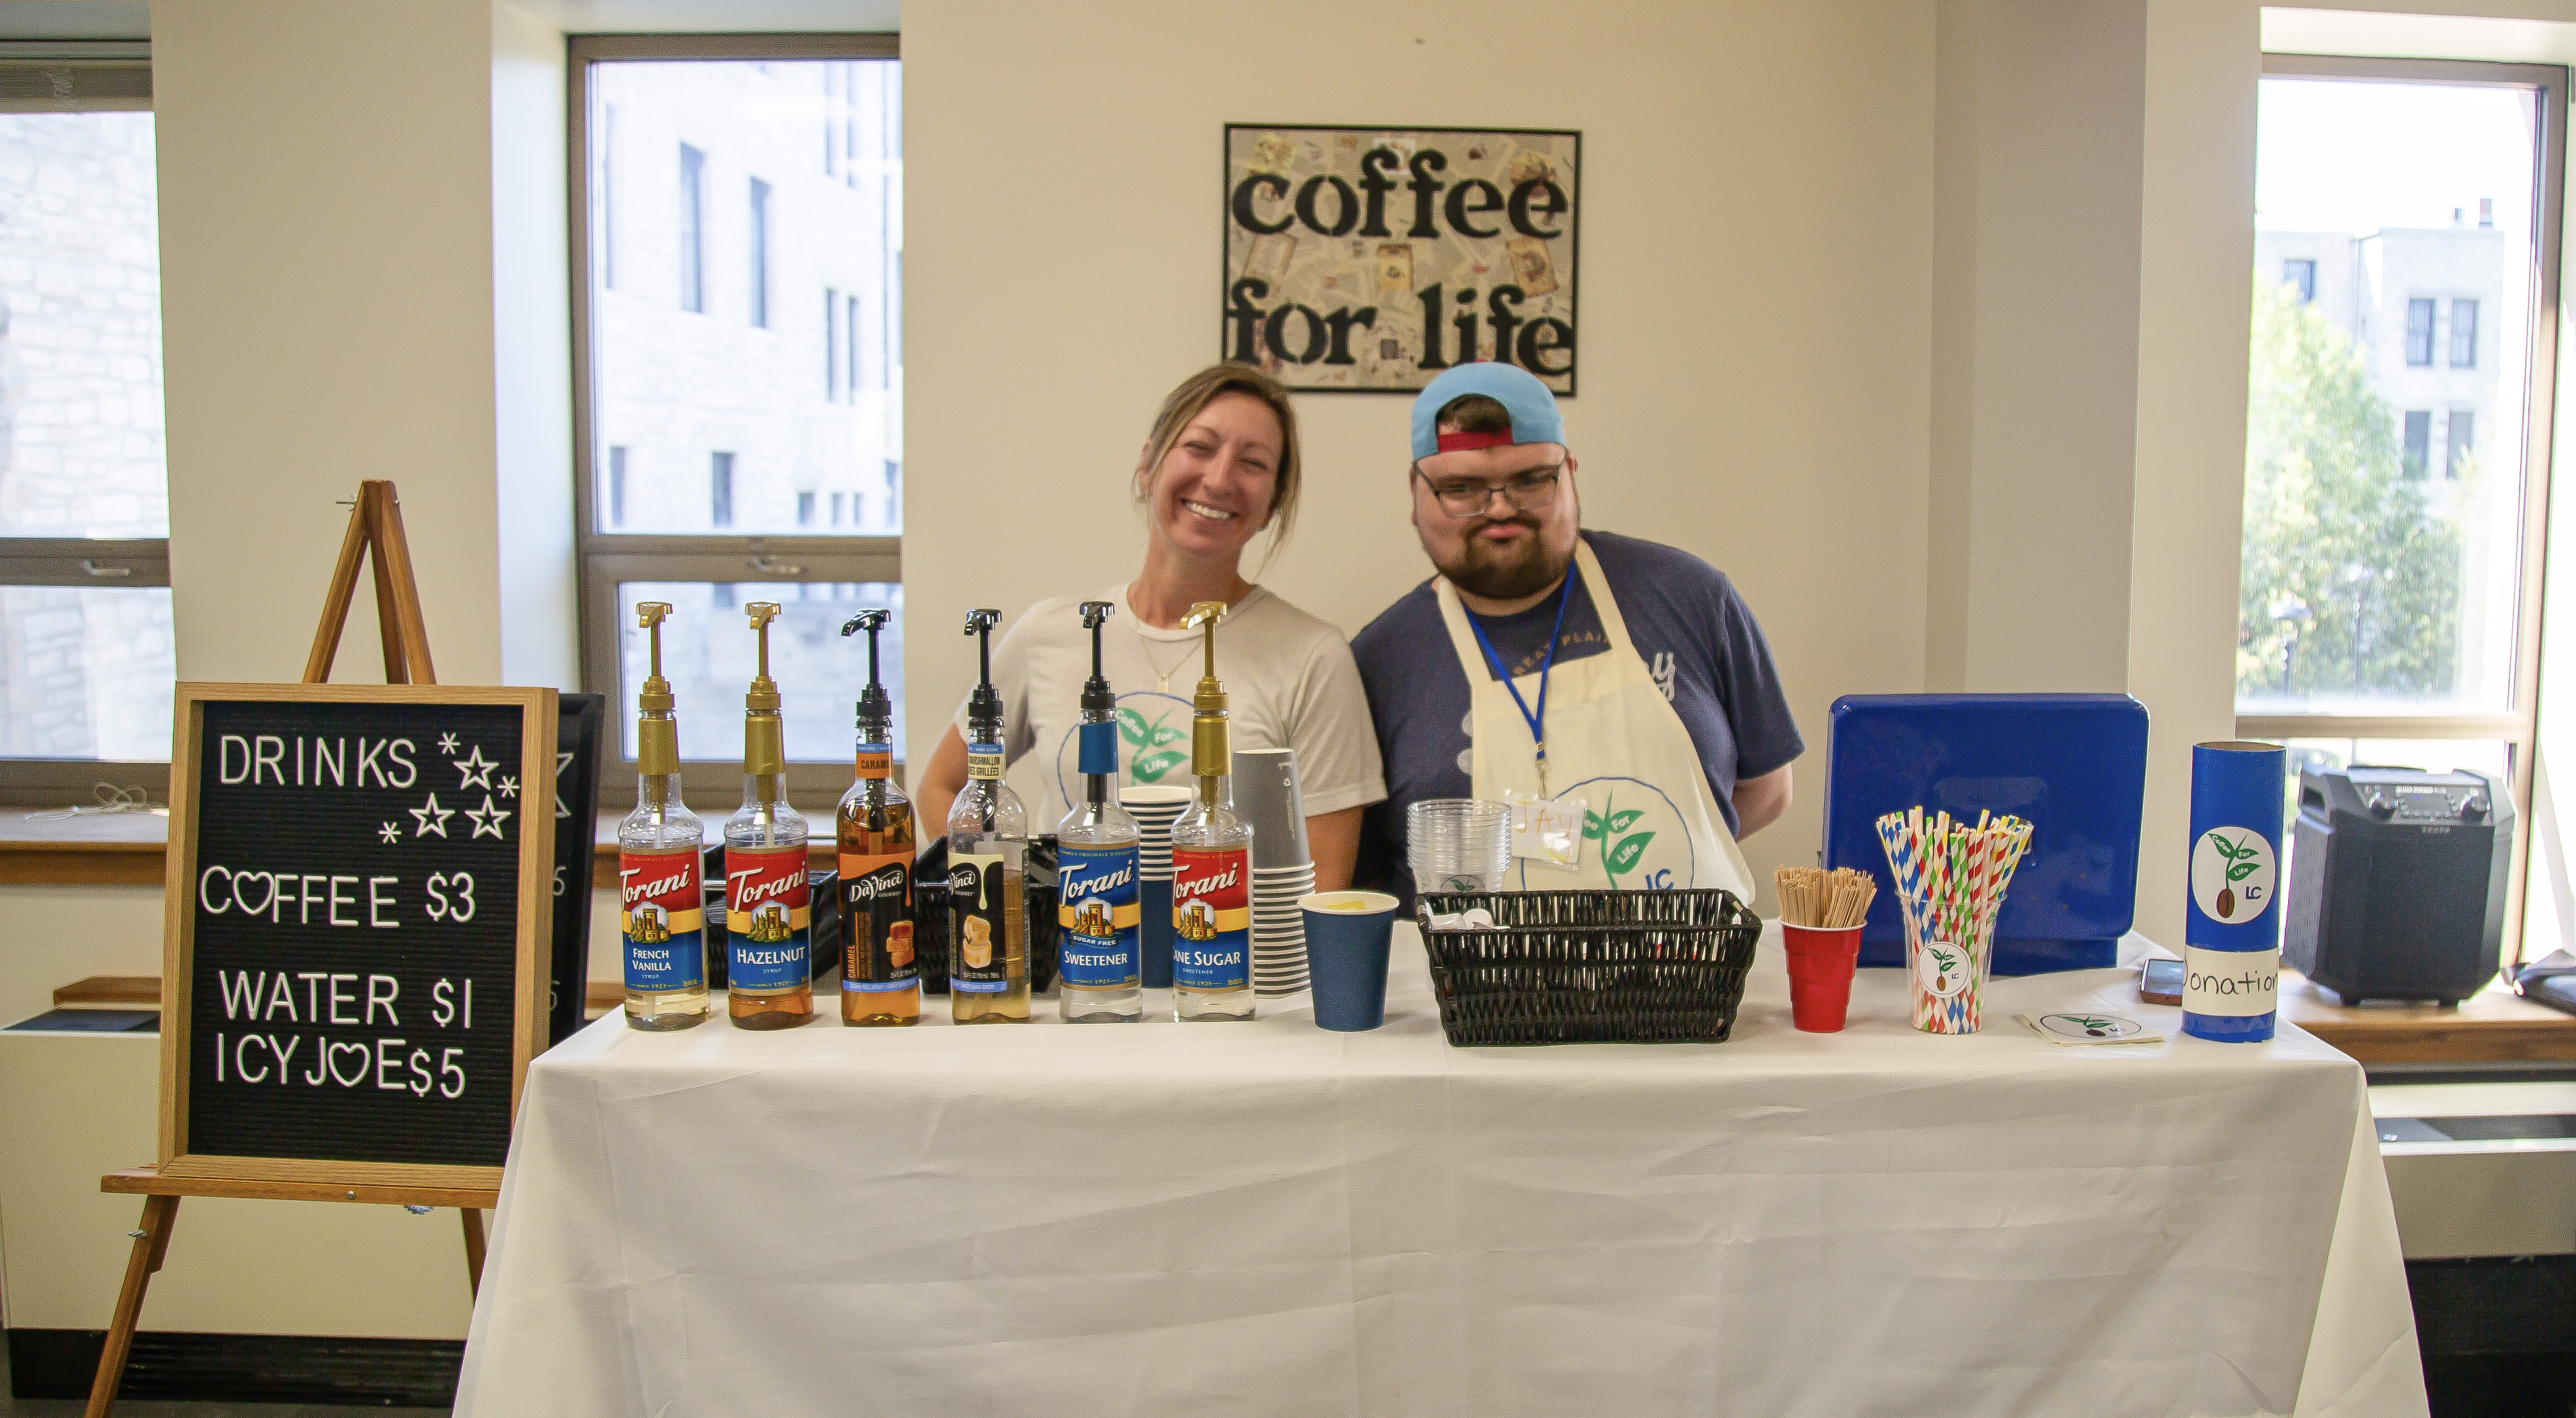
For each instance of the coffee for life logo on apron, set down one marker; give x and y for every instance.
(1614, 742)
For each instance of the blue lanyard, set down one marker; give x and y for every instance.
(1537, 720)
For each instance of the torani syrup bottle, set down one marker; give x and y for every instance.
(988, 843)
(880, 977)
(660, 913)
(1211, 862)
(768, 918)
(1099, 979)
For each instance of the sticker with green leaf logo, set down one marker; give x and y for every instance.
(2231, 874)
(1943, 969)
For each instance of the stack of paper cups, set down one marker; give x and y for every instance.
(1155, 809)
(2231, 986)
(1283, 870)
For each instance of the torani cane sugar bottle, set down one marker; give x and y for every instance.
(880, 975)
(661, 917)
(1099, 978)
(768, 903)
(988, 843)
(1211, 862)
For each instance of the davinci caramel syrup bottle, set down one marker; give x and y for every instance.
(660, 914)
(768, 904)
(988, 843)
(1211, 862)
(880, 976)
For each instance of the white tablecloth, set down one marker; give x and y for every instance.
(1267, 1218)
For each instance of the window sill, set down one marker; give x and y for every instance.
(2493, 1026)
(129, 848)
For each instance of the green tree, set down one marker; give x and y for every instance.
(2339, 543)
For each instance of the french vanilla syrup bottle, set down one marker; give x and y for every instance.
(880, 976)
(1211, 862)
(1099, 978)
(660, 914)
(768, 905)
(988, 843)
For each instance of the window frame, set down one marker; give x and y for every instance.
(79, 76)
(2431, 309)
(2518, 726)
(607, 558)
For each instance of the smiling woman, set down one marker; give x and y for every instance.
(1219, 467)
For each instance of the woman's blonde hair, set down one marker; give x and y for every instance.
(1195, 393)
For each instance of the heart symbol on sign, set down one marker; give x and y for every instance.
(332, 1055)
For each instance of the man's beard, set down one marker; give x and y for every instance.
(1507, 573)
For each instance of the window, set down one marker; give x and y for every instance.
(693, 287)
(852, 325)
(86, 652)
(831, 345)
(759, 253)
(2301, 276)
(705, 467)
(2388, 613)
(608, 199)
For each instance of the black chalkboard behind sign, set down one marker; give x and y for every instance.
(365, 894)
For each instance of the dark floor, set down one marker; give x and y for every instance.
(138, 1408)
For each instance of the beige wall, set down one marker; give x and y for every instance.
(1756, 280)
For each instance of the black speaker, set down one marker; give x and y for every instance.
(2397, 883)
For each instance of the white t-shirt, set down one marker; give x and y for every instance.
(1289, 680)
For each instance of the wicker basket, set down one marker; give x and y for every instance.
(1590, 967)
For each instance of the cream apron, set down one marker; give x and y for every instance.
(1613, 740)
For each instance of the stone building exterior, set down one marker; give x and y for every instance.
(84, 673)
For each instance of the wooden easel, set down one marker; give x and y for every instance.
(374, 524)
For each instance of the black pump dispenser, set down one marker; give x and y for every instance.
(876, 709)
(984, 706)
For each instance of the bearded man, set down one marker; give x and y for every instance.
(1617, 690)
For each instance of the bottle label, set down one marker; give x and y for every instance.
(980, 914)
(663, 920)
(1098, 908)
(876, 760)
(984, 760)
(2236, 984)
(1211, 918)
(767, 911)
(1099, 750)
(876, 924)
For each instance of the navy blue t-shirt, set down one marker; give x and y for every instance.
(1694, 632)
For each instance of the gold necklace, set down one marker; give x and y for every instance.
(1162, 676)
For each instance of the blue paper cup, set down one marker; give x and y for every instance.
(1154, 933)
(1346, 942)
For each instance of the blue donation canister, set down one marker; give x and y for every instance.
(2232, 931)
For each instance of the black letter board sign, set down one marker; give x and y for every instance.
(576, 813)
(357, 929)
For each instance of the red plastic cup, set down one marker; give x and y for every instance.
(1820, 975)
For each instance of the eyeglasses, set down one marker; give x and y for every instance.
(1468, 498)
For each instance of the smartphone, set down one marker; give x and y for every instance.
(2160, 982)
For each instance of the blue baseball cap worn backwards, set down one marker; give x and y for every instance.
(1530, 403)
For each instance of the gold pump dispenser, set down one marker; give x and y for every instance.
(764, 734)
(657, 734)
(1211, 742)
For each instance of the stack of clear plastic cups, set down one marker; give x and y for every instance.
(1155, 808)
(1459, 844)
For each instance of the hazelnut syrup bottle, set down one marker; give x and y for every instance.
(988, 843)
(768, 904)
(880, 976)
(661, 916)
